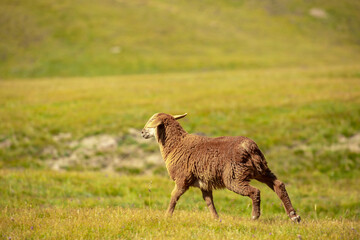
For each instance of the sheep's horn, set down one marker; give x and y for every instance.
(180, 116)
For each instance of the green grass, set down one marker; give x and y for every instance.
(51, 38)
(265, 70)
(283, 110)
(104, 205)
(296, 116)
(119, 223)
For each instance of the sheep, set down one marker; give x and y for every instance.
(213, 163)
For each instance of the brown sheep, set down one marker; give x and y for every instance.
(213, 163)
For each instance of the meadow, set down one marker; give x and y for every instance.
(47, 204)
(305, 121)
(79, 79)
(45, 38)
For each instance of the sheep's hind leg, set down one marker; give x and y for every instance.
(245, 189)
(279, 188)
(175, 195)
(208, 197)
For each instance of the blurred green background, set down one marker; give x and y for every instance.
(79, 79)
(46, 38)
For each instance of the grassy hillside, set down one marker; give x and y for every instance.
(284, 73)
(111, 37)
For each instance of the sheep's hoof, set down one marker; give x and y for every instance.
(255, 217)
(168, 215)
(295, 218)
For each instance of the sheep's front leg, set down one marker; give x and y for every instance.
(175, 195)
(208, 197)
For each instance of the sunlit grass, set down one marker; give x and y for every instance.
(116, 222)
(52, 38)
(268, 71)
(44, 204)
(276, 108)
(315, 197)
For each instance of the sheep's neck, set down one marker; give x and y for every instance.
(170, 137)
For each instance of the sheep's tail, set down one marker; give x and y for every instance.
(259, 162)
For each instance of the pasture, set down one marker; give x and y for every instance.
(52, 205)
(79, 79)
(114, 37)
(305, 121)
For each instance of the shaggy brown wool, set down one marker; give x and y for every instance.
(213, 163)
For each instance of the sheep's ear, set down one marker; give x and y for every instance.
(156, 122)
(180, 116)
(153, 122)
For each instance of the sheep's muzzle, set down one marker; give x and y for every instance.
(147, 133)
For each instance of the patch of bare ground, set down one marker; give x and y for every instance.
(5, 143)
(319, 157)
(351, 144)
(128, 153)
(131, 154)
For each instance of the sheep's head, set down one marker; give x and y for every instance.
(155, 121)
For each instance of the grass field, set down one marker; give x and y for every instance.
(79, 79)
(305, 112)
(111, 37)
(119, 223)
(305, 120)
(43, 204)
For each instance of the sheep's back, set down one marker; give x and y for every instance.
(212, 161)
(215, 160)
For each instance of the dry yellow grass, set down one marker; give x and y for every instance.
(91, 205)
(120, 223)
